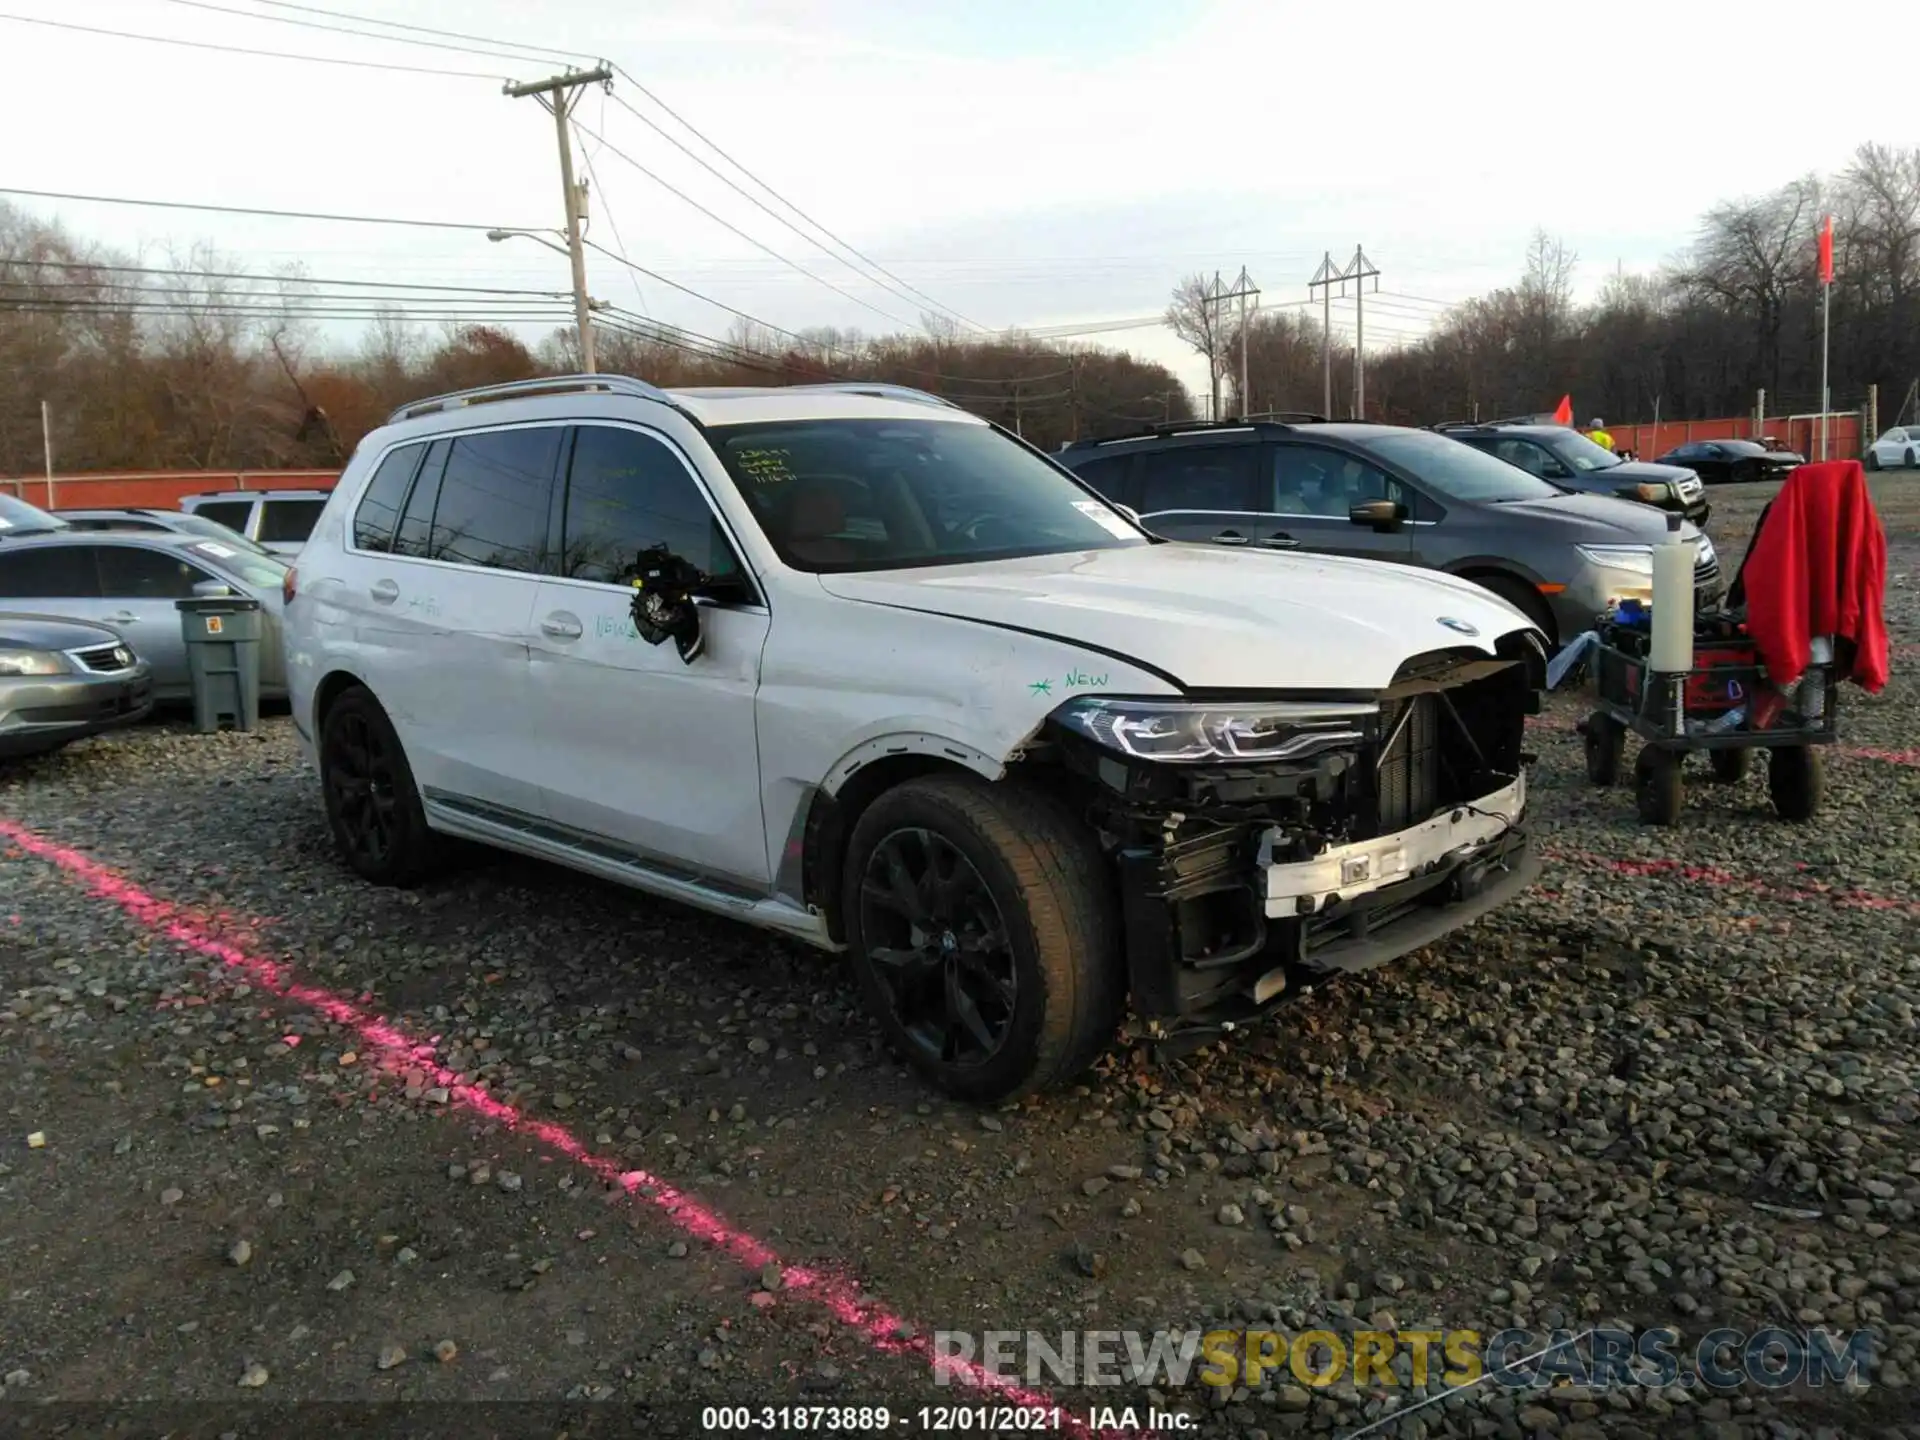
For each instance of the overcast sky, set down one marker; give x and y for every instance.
(1034, 163)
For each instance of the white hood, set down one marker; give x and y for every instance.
(1212, 618)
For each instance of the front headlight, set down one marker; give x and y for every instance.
(1653, 494)
(1637, 558)
(31, 662)
(1193, 732)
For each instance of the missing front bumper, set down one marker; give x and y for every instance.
(1218, 933)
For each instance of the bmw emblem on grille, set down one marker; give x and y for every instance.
(1460, 625)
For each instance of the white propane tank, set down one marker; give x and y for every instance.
(1672, 649)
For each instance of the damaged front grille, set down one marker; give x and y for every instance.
(1450, 732)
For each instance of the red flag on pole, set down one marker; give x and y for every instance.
(1564, 415)
(1826, 250)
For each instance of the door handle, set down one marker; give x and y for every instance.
(1279, 541)
(561, 626)
(1229, 537)
(123, 617)
(385, 591)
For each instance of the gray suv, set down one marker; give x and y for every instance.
(1381, 492)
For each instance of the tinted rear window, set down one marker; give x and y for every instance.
(378, 515)
(231, 513)
(287, 521)
(494, 499)
(55, 572)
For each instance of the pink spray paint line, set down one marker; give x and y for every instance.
(1727, 880)
(1891, 757)
(392, 1050)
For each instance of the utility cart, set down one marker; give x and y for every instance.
(1711, 708)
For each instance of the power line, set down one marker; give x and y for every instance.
(633, 272)
(346, 30)
(247, 210)
(899, 288)
(735, 229)
(426, 30)
(247, 50)
(87, 265)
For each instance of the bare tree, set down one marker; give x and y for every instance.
(1195, 317)
(1750, 256)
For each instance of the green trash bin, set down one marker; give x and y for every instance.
(223, 655)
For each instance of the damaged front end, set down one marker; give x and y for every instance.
(1263, 843)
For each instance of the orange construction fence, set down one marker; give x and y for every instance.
(1799, 433)
(155, 489)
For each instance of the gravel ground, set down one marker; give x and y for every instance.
(1675, 1084)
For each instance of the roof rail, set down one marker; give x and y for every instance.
(878, 389)
(518, 389)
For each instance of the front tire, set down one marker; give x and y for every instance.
(1873, 460)
(1796, 780)
(372, 802)
(985, 936)
(1524, 598)
(1913, 459)
(1658, 790)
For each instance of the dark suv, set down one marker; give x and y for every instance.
(1570, 460)
(1381, 492)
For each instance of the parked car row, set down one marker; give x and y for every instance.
(1380, 492)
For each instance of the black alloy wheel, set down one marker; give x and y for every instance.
(360, 786)
(940, 948)
(372, 803)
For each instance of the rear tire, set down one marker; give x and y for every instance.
(985, 935)
(1606, 741)
(1796, 780)
(372, 803)
(1729, 766)
(1524, 598)
(1658, 791)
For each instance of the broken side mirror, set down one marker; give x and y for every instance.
(1380, 514)
(663, 589)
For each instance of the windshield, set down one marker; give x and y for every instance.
(214, 530)
(841, 495)
(19, 518)
(1581, 454)
(1457, 470)
(261, 570)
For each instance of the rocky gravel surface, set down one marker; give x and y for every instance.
(240, 1163)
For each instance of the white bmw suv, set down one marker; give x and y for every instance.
(857, 667)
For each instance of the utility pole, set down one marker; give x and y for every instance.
(1217, 294)
(1360, 270)
(46, 441)
(1324, 280)
(559, 95)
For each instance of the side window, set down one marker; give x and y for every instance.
(1201, 477)
(1524, 453)
(626, 492)
(285, 521)
(1308, 480)
(416, 522)
(56, 572)
(127, 573)
(494, 498)
(378, 514)
(1108, 476)
(234, 514)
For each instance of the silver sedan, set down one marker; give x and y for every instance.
(129, 580)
